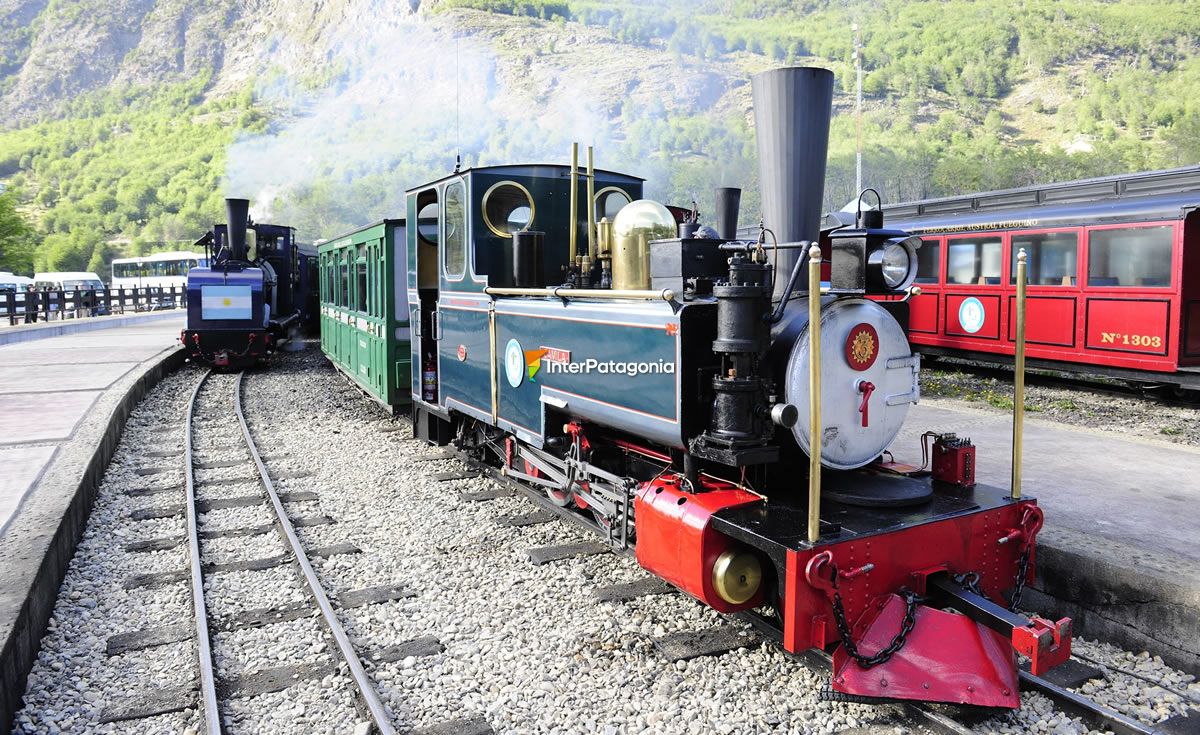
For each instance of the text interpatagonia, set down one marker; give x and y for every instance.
(604, 367)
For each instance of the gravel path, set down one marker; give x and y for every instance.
(1145, 418)
(527, 648)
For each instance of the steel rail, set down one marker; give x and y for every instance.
(1093, 713)
(1064, 379)
(378, 713)
(208, 682)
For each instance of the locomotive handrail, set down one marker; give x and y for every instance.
(1019, 377)
(814, 395)
(563, 292)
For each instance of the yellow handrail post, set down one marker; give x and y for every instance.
(1018, 436)
(574, 216)
(814, 394)
(591, 212)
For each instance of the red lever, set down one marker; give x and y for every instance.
(866, 388)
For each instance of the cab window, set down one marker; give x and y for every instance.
(1052, 258)
(974, 260)
(1129, 257)
(454, 226)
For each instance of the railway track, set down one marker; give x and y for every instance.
(209, 684)
(277, 561)
(1160, 393)
(946, 719)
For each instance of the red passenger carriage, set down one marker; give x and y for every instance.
(1114, 275)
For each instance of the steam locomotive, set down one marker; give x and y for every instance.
(655, 384)
(248, 300)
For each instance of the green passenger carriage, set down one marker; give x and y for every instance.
(364, 309)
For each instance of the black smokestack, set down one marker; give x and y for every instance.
(728, 201)
(792, 107)
(237, 214)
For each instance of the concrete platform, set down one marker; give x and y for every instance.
(10, 333)
(1120, 552)
(64, 400)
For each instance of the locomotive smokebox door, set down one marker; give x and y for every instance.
(868, 381)
(954, 460)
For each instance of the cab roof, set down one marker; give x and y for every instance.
(528, 169)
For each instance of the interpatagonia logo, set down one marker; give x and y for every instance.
(533, 362)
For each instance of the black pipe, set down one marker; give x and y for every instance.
(797, 269)
(237, 215)
(527, 258)
(729, 199)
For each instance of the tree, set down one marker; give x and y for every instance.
(16, 237)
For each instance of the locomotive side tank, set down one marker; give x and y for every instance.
(656, 385)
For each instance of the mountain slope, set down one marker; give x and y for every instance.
(128, 120)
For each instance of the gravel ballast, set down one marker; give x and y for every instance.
(525, 647)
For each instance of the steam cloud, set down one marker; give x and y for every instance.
(409, 97)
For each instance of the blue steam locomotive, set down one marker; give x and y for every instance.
(252, 296)
(653, 383)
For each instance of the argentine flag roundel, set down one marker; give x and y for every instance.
(225, 302)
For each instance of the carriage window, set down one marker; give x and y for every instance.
(1053, 258)
(344, 272)
(362, 285)
(928, 261)
(609, 201)
(975, 260)
(1130, 257)
(507, 208)
(454, 234)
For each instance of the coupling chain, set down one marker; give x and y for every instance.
(910, 619)
(1022, 573)
(969, 581)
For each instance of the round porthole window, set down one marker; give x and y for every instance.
(609, 201)
(508, 208)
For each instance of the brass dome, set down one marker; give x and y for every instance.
(633, 228)
(644, 215)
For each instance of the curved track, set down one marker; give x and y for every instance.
(209, 684)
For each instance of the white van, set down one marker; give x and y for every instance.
(68, 281)
(16, 285)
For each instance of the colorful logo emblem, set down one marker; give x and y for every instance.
(462, 353)
(518, 363)
(971, 315)
(862, 346)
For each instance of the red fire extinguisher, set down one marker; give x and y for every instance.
(429, 381)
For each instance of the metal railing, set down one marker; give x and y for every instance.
(27, 307)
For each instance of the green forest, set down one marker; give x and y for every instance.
(960, 96)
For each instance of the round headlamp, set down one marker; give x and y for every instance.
(893, 267)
